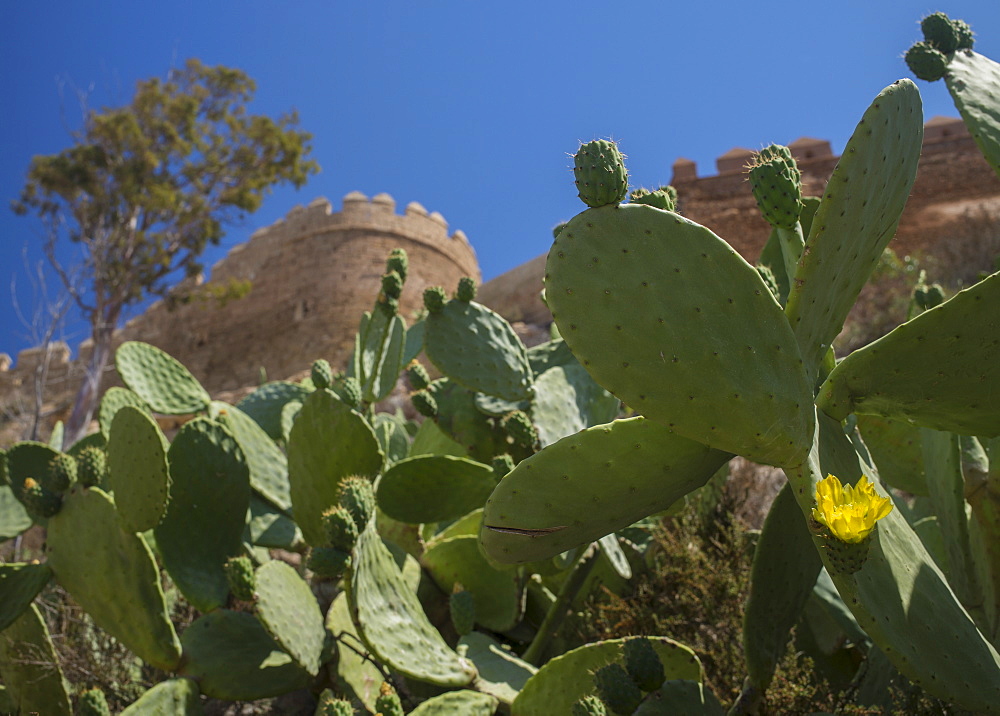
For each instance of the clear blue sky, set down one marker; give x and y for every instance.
(470, 108)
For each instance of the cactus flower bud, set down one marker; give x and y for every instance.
(466, 289)
(392, 284)
(434, 298)
(425, 403)
(241, 577)
(321, 373)
(398, 262)
(926, 62)
(417, 375)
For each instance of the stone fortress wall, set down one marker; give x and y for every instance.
(314, 272)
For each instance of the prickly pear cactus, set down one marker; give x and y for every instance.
(138, 472)
(160, 380)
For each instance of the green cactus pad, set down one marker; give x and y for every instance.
(465, 702)
(14, 519)
(785, 567)
(160, 380)
(112, 575)
(138, 469)
(496, 594)
(287, 608)
(478, 349)
(926, 61)
(496, 407)
(19, 585)
(392, 622)
(355, 675)
(27, 459)
(943, 458)
(684, 697)
(933, 370)
(231, 656)
(567, 400)
(589, 485)
(268, 465)
(462, 421)
(265, 404)
(173, 697)
(599, 169)
(392, 436)
(380, 342)
(462, 608)
(974, 83)
(115, 399)
(500, 672)
(328, 442)
(699, 343)
(896, 449)
(856, 219)
(900, 597)
(30, 669)
(204, 522)
(548, 355)
(566, 679)
(270, 528)
(517, 425)
(659, 198)
(431, 440)
(433, 488)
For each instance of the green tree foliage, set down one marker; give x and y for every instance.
(147, 187)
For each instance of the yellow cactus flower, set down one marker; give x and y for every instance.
(849, 512)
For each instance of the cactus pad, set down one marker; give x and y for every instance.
(500, 672)
(974, 83)
(432, 488)
(392, 622)
(173, 697)
(29, 667)
(933, 370)
(287, 608)
(19, 585)
(231, 656)
(328, 442)
(160, 380)
(204, 522)
(265, 405)
(700, 344)
(115, 399)
(465, 702)
(268, 465)
(138, 470)
(112, 575)
(589, 485)
(478, 349)
(567, 400)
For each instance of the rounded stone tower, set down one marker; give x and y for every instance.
(313, 274)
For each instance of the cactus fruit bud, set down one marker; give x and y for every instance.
(965, 37)
(341, 529)
(926, 62)
(502, 465)
(92, 467)
(388, 703)
(927, 297)
(463, 610)
(616, 689)
(330, 705)
(466, 289)
(940, 32)
(38, 501)
(61, 474)
(349, 390)
(241, 578)
(92, 703)
(659, 198)
(777, 186)
(321, 373)
(327, 562)
(392, 284)
(590, 706)
(643, 665)
(389, 306)
(358, 498)
(398, 262)
(434, 298)
(425, 403)
(417, 375)
(518, 425)
(601, 177)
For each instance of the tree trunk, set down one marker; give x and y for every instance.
(90, 389)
